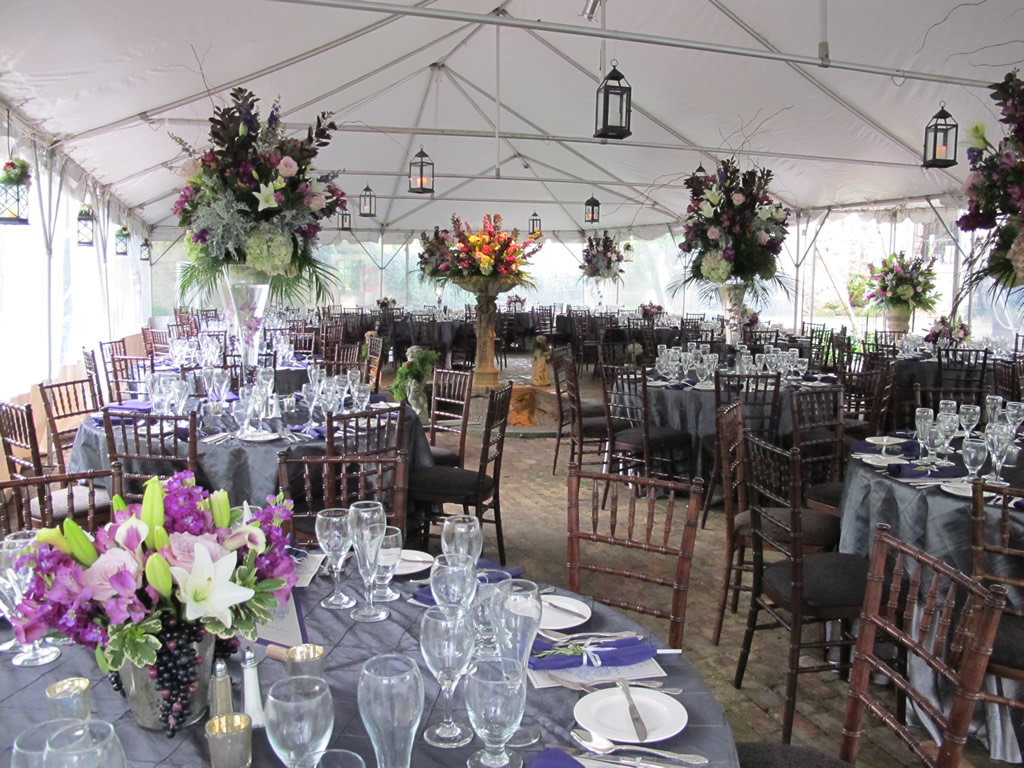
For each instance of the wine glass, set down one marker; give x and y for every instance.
(367, 513)
(446, 643)
(334, 536)
(367, 540)
(299, 718)
(14, 581)
(354, 376)
(947, 422)
(970, 415)
(315, 373)
(1015, 415)
(387, 564)
(488, 580)
(462, 535)
(178, 397)
(923, 418)
(333, 758)
(265, 378)
(517, 609)
(974, 453)
(997, 438)
(992, 405)
(390, 697)
(701, 370)
(453, 581)
(495, 700)
(84, 744)
(947, 406)
(360, 397)
(30, 745)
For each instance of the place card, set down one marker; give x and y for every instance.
(308, 567)
(286, 628)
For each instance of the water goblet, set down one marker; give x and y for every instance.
(759, 362)
(30, 745)
(299, 718)
(947, 423)
(934, 441)
(257, 406)
(334, 536)
(748, 363)
(974, 453)
(367, 513)
(387, 564)
(179, 392)
(705, 349)
(453, 581)
(923, 418)
(360, 397)
(390, 697)
(495, 700)
(947, 406)
(333, 758)
(701, 371)
(997, 439)
(970, 415)
(461, 534)
(517, 610)
(367, 540)
(315, 373)
(992, 405)
(446, 643)
(1015, 415)
(84, 744)
(691, 347)
(488, 580)
(354, 376)
(13, 583)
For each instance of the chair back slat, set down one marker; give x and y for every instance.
(147, 445)
(61, 402)
(449, 406)
(376, 432)
(759, 393)
(962, 368)
(818, 433)
(21, 447)
(374, 354)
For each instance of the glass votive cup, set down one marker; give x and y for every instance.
(69, 698)
(305, 660)
(287, 404)
(229, 738)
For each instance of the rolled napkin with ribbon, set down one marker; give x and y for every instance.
(555, 758)
(921, 472)
(908, 449)
(616, 652)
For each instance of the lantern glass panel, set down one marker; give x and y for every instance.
(86, 230)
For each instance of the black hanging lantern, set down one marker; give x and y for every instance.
(421, 174)
(86, 226)
(700, 173)
(146, 250)
(940, 140)
(367, 202)
(592, 211)
(613, 106)
(15, 177)
(535, 224)
(121, 238)
(346, 221)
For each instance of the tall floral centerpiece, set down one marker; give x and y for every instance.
(252, 208)
(995, 194)
(734, 230)
(901, 285)
(602, 259)
(154, 588)
(948, 331)
(486, 263)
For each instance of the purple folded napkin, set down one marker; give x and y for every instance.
(230, 397)
(142, 406)
(320, 432)
(514, 571)
(908, 449)
(424, 595)
(555, 758)
(1018, 504)
(931, 473)
(619, 652)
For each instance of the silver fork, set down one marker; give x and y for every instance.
(591, 687)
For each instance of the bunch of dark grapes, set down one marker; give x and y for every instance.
(175, 673)
(225, 648)
(115, 682)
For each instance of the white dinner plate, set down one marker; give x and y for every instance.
(885, 440)
(656, 384)
(413, 561)
(882, 461)
(552, 617)
(259, 437)
(606, 713)
(704, 385)
(958, 489)
(382, 406)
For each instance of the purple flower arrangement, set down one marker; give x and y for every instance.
(182, 555)
(949, 330)
(602, 259)
(651, 311)
(902, 283)
(995, 191)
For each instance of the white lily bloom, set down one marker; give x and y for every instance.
(208, 591)
(266, 196)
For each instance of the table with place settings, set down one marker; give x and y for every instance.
(349, 645)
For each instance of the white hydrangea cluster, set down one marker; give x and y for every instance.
(269, 250)
(714, 267)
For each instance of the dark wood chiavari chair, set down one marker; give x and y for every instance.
(61, 402)
(303, 342)
(147, 445)
(48, 500)
(92, 371)
(182, 330)
(929, 397)
(962, 368)
(818, 432)
(1006, 375)
(889, 338)
(374, 355)
(639, 515)
(340, 358)
(479, 489)
(129, 377)
(861, 415)
(108, 349)
(156, 342)
(800, 588)
(821, 349)
(587, 429)
(449, 412)
(20, 444)
(376, 432)
(757, 339)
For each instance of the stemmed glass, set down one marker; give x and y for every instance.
(367, 540)
(933, 441)
(453, 581)
(974, 453)
(13, 583)
(461, 535)
(30, 746)
(390, 700)
(360, 397)
(84, 744)
(495, 699)
(354, 376)
(997, 438)
(299, 718)
(1015, 415)
(333, 758)
(947, 423)
(970, 415)
(334, 536)
(992, 405)
(488, 580)
(387, 564)
(923, 418)
(517, 609)
(446, 642)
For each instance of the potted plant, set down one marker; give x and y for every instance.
(411, 378)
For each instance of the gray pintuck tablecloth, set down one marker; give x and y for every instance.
(23, 703)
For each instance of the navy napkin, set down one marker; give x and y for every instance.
(907, 450)
(320, 432)
(555, 758)
(619, 652)
(930, 473)
(141, 406)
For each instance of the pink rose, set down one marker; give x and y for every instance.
(287, 167)
(182, 550)
(738, 198)
(190, 168)
(762, 237)
(714, 233)
(317, 202)
(110, 566)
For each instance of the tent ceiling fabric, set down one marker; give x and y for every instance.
(111, 79)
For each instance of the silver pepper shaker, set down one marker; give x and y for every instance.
(252, 702)
(221, 700)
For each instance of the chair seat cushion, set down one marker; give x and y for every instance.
(829, 494)
(831, 580)
(592, 408)
(444, 457)
(1009, 638)
(820, 529)
(79, 500)
(439, 484)
(659, 436)
(594, 426)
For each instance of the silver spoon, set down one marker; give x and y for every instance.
(599, 745)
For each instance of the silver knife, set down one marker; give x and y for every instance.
(565, 609)
(634, 713)
(636, 762)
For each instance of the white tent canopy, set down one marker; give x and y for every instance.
(503, 99)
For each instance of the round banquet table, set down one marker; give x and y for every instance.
(23, 702)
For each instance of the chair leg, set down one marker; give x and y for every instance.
(738, 577)
(558, 444)
(723, 595)
(498, 530)
(709, 489)
(748, 639)
(791, 677)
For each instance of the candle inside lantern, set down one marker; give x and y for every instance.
(940, 152)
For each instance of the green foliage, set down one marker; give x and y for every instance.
(419, 367)
(137, 643)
